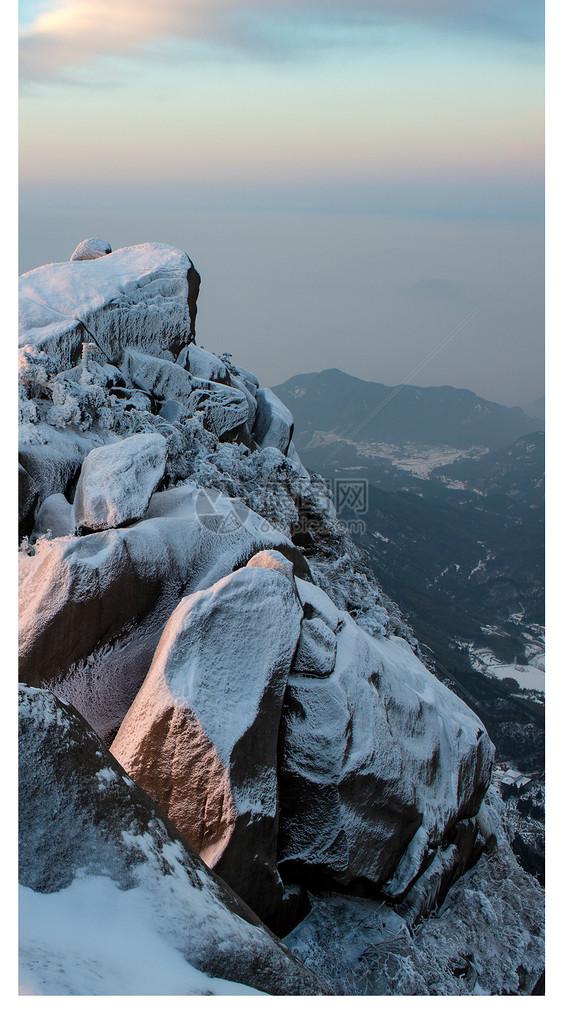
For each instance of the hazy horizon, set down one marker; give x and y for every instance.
(352, 179)
(289, 293)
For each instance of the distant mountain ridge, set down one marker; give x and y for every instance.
(452, 523)
(365, 411)
(536, 408)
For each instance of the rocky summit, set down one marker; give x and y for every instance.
(227, 733)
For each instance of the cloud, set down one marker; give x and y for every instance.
(76, 33)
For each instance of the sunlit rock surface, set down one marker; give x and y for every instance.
(201, 735)
(92, 608)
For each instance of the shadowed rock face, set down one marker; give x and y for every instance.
(274, 423)
(81, 815)
(378, 760)
(201, 735)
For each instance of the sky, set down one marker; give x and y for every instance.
(353, 178)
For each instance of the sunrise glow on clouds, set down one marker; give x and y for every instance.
(281, 94)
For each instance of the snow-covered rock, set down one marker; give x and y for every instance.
(113, 899)
(225, 409)
(252, 403)
(201, 734)
(56, 516)
(92, 608)
(316, 650)
(53, 466)
(249, 379)
(274, 423)
(380, 769)
(318, 605)
(117, 481)
(164, 379)
(377, 763)
(137, 295)
(204, 365)
(90, 249)
(273, 560)
(487, 938)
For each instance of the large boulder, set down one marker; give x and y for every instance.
(274, 423)
(92, 609)
(138, 295)
(378, 761)
(117, 481)
(201, 735)
(113, 898)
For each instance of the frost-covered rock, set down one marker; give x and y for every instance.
(201, 735)
(138, 295)
(164, 379)
(56, 516)
(380, 768)
(204, 365)
(53, 466)
(274, 423)
(113, 899)
(249, 379)
(252, 404)
(273, 560)
(27, 493)
(316, 650)
(90, 249)
(92, 609)
(225, 409)
(117, 481)
(487, 938)
(377, 762)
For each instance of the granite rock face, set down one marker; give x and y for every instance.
(274, 423)
(138, 295)
(378, 761)
(201, 735)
